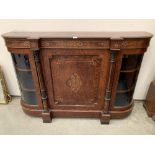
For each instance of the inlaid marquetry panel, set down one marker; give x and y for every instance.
(22, 43)
(75, 78)
(129, 43)
(75, 44)
(18, 43)
(71, 43)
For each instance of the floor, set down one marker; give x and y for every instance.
(14, 122)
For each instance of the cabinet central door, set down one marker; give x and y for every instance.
(75, 79)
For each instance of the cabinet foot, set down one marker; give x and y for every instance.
(153, 117)
(46, 116)
(105, 118)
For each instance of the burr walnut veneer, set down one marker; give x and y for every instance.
(77, 74)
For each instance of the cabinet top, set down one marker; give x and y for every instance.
(75, 35)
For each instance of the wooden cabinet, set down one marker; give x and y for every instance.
(149, 104)
(77, 74)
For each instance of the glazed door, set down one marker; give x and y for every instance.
(75, 79)
(130, 65)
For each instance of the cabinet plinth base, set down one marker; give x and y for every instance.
(48, 116)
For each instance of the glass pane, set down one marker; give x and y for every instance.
(24, 75)
(29, 97)
(131, 62)
(123, 99)
(25, 79)
(21, 61)
(127, 79)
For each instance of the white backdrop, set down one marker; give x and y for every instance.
(147, 72)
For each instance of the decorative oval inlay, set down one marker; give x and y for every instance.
(74, 82)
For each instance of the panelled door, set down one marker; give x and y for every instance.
(75, 79)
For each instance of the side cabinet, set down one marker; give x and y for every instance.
(90, 77)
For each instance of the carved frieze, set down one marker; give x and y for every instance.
(129, 43)
(75, 44)
(22, 43)
(84, 44)
(11, 43)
